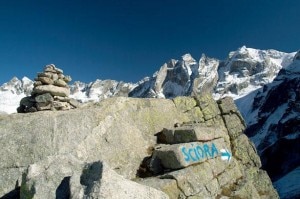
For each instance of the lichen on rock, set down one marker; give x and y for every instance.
(212, 156)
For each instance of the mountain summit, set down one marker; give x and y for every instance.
(179, 78)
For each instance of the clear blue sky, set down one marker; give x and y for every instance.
(129, 39)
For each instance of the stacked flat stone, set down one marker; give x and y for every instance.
(50, 92)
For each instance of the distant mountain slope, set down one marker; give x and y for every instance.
(248, 69)
(12, 92)
(275, 129)
(99, 90)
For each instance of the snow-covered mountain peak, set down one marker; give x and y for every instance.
(10, 84)
(248, 69)
(252, 54)
(18, 86)
(206, 61)
(188, 58)
(26, 80)
(249, 53)
(180, 77)
(243, 48)
(244, 52)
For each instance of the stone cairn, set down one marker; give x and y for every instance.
(50, 92)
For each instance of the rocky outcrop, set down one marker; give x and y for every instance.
(118, 131)
(186, 147)
(50, 92)
(211, 159)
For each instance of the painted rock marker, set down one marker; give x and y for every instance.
(178, 156)
(225, 155)
(199, 151)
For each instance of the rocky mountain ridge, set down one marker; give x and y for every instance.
(244, 71)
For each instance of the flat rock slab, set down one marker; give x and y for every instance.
(193, 133)
(45, 80)
(53, 90)
(60, 83)
(178, 156)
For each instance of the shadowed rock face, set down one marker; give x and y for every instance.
(74, 154)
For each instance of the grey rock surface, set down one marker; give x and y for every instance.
(53, 90)
(67, 177)
(232, 173)
(168, 186)
(178, 156)
(103, 131)
(99, 181)
(60, 83)
(190, 133)
(54, 149)
(54, 172)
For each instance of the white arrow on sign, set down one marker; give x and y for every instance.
(225, 155)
